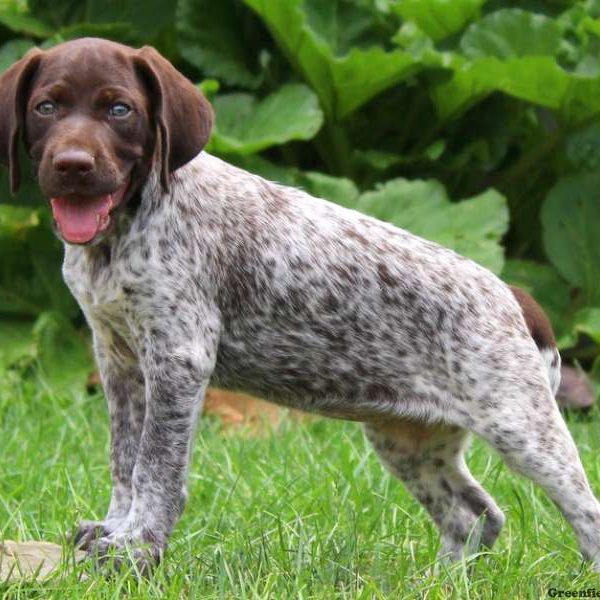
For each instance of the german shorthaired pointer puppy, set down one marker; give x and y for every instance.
(190, 270)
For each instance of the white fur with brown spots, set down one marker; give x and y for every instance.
(258, 287)
(190, 270)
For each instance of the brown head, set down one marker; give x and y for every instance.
(95, 117)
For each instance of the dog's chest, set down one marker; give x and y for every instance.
(97, 284)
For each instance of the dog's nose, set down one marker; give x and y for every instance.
(73, 162)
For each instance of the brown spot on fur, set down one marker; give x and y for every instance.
(385, 276)
(352, 233)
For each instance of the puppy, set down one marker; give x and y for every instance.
(190, 270)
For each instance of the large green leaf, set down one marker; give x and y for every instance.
(536, 79)
(245, 125)
(512, 33)
(342, 82)
(515, 52)
(472, 227)
(471, 81)
(570, 218)
(345, 24)
(212, 37)
(438, 18)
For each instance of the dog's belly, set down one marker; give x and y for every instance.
(331, 372)
(352, 338)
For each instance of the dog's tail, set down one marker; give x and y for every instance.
(542, 333)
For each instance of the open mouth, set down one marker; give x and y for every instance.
(81, 218)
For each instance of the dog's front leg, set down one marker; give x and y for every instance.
(176, 380)
(124, 388)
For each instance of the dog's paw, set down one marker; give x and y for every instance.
(89, 531)
(128, 547)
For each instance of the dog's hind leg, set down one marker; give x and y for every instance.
(527, 429)
(429, 459)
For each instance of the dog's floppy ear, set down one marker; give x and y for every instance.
(183, 116)
(14, 91)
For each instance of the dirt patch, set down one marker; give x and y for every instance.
(241, 410)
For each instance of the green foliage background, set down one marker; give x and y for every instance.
(473, 123)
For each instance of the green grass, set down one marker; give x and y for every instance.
(305, 512)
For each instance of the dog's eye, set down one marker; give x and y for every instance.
(119, 109)
(46, 107)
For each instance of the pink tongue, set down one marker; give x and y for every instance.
(80, 219)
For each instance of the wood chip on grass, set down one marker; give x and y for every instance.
(34, 561)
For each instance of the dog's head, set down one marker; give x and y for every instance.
(95, 116)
